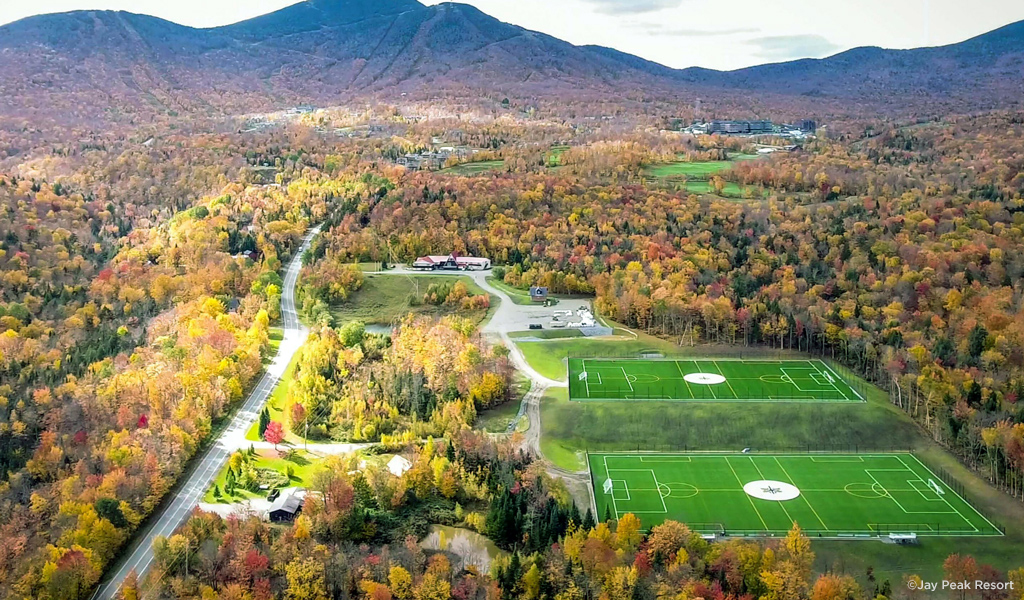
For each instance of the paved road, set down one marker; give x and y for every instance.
(175, 513)
(506, 318)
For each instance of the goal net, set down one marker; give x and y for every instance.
(583, 375)
(608, 486)
(936, 487)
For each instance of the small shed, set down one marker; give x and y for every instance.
(398, 465)
(287, 505)
(538, 293)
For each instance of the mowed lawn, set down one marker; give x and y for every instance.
(386, 299)
(688, 169)
(475, 168)
(518, 296)
(276, 404)
(300, 464)
(829, 495)
(697, 172)
(707, 380)
(549, 358)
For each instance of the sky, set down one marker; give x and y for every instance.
(677, 33)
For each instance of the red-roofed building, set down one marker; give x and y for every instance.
(452, 262)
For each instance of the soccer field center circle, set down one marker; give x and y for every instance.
(704, 378)
(765, 489)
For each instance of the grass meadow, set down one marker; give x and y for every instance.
(385, 299)
(475, 168)
(696, 174)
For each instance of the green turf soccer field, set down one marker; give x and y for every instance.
(829, 495)
(707, 380)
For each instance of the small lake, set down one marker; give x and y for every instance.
(378, 328)
(469, 547)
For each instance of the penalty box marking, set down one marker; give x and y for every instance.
(965, 519)
(657, 488)
(887, 494)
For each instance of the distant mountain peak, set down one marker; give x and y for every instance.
(329, 50)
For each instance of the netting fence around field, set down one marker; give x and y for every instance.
(874, 530)
(809, 449)
(695, 353)
(961, 490)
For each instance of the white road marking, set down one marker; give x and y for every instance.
(192, 490)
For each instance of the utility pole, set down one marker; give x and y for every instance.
(188, 545)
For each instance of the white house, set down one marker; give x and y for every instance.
(398, 465)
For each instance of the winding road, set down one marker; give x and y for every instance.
(173, 513)
(499, 325)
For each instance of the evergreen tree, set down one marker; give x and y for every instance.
(976, 341)
(588, 521)
(264, 421)
(510, 582)
(974, 395)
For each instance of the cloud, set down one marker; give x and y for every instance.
(670, 30)
(622, 7)
(787, 47)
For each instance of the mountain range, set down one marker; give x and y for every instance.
(90, 64)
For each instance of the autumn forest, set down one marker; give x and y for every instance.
(145, 296)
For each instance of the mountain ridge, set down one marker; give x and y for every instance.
(333, 50)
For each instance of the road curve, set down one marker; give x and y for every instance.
(191, 491)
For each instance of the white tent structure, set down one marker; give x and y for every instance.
(398, 465)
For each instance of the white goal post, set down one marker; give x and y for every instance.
(608, 485)
(583, 375)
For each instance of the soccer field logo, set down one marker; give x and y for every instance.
(704, 378)
(776, 491)
(707, 380)
(829, 495)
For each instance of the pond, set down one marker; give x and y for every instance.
(469, 547)
(378, 328)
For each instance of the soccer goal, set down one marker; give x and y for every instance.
(608, 485)
(583, 376)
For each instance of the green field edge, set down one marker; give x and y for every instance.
(860, 399)
(869, 534)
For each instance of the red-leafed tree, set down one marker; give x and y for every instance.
(274, 433)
